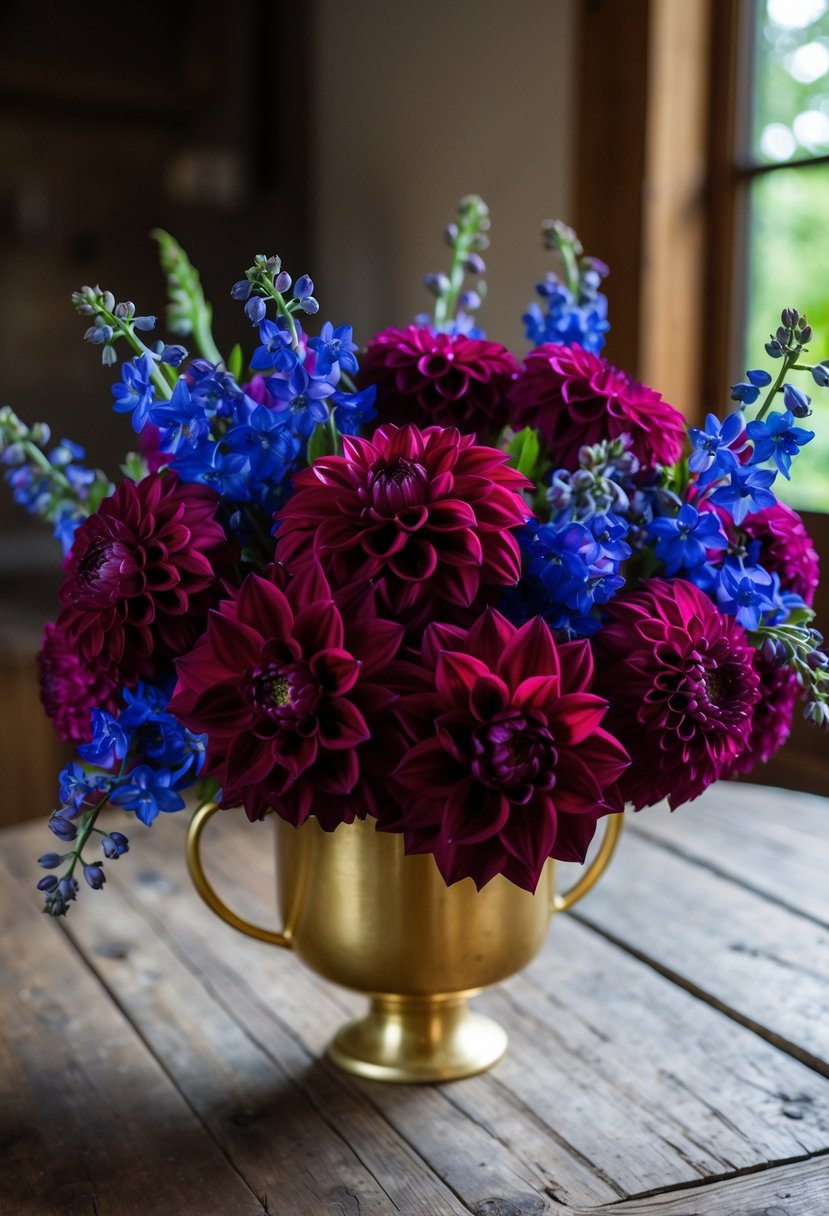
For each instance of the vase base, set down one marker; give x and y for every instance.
(417, 1040)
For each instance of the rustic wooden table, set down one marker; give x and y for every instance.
(669, 1050)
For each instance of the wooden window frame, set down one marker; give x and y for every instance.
(662, 98)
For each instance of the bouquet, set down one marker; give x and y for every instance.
(483, 601)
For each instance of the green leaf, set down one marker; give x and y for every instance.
(134, 466)
(234, 363)
(324, 441)
(188, 311)
(524, 452)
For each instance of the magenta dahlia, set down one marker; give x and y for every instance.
(443, 379)
(291, 695)
(771, 721)
(426, 515)
(139, 578)
(510, 764)
(67, 690)
(577, 398)
(682, 687)
(786, 548)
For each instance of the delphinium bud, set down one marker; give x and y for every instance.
(282, 282)
(820, 374)
(255, 310)
(95, 877)
(790, 317)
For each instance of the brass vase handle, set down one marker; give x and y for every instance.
(596, 868)
(205, 888)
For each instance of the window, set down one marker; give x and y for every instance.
(784, 165)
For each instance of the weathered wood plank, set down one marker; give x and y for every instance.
(769, 965)
(89, 1123)
(616, 1078)
(799, 1189)
(775, 841)
(253, 1096)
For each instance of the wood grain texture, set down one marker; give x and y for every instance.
(758, 836)
(622, 1091)
(768, 965)
(87, 1116)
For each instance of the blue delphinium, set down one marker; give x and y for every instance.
(567, 571)
(777, 438)
(139, 760)
(575, 310)
(716, 447)
(683, 540)
(135, 393)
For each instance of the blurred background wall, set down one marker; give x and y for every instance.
(687, 140)
(338, 134)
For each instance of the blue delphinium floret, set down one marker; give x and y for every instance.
(746, 492)
(135, 394)
(568, 569)
(147, 792)
(682, 540)
(748, 390)
(777, 438)
(334, 346)
(182, 420)
(266, 441)
(304, 395)
(746, 595)
(715, 447)
(109, 741)
(275, 353)
(353, 410)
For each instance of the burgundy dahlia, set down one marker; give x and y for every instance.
(443, 379)
(139, 578)
(577, 398)
(786, 548)
(424, 514)
(682, 687)
(68, 691)
(286, 688)
(510, 764)
(771, 721)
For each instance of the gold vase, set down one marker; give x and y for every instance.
(362, 914)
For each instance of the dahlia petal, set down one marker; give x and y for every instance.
(502, 559)
(539, 693)
(577, 715)
(529, 835)
(455, 677)
(488, 636)
(426, 766)
(341, 725)
(416, 562)
(318, 626)
(473, 813)
(263, 608)
(573, 836)
(375, 641)
(438, 637)
(489, 696)
(250, 758)
(231, 646)
(458, 584)
(219, 709)
(336, 671)
(531, 650)
(448, 514)
(454, 732)
(576, 661)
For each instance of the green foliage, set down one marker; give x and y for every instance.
(524, 451)
(324, 441)
(188, 311)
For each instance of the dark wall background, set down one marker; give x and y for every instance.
(112, 124)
